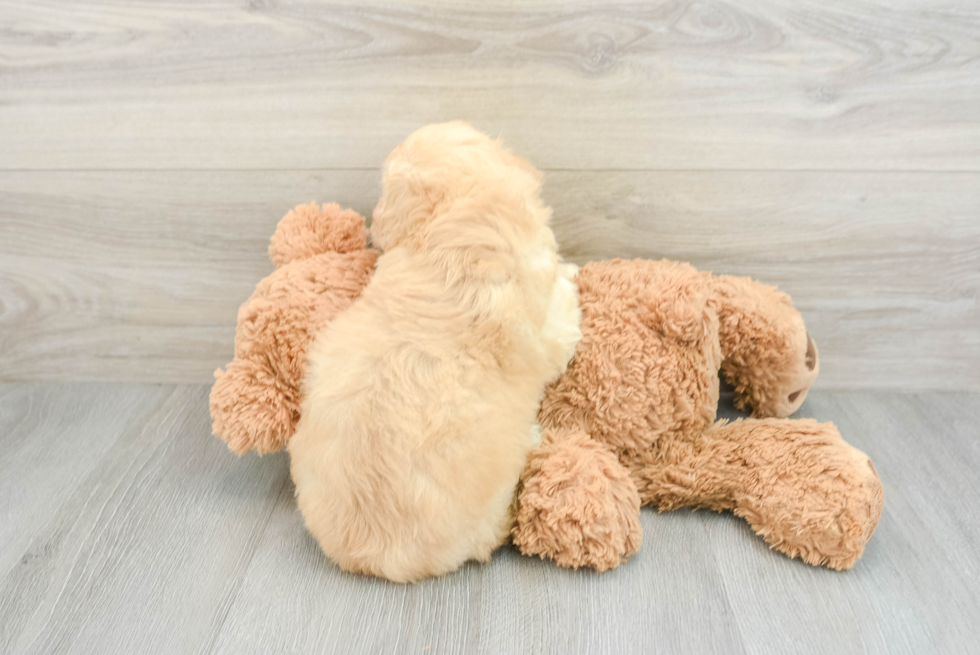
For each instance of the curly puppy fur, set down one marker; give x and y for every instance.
(420, 398)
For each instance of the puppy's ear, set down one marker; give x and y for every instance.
(406, 203)
(524, 166)
(486, 223)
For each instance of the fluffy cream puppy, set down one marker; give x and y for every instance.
(421, 398)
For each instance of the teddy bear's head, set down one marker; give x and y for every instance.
(322, 264)
(770, 358)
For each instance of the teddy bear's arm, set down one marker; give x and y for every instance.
(577, 504)
(251, 409)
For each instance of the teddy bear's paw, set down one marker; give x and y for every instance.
(577, 505)
(829, 511)
(310, 230)
(250, 410)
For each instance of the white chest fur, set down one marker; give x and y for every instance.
(564, 320)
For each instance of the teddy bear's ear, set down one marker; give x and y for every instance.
(310, 230)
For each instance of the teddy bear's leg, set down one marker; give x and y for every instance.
(798, 483)
(768, 356)
(577, 504)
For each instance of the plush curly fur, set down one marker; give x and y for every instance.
(322, 266)
(630, 422)
(644, 385)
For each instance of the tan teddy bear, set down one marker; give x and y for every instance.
(322, 263)
(631, 422)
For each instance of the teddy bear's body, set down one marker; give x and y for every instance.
(632, 420)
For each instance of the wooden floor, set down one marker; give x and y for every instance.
(126, 528)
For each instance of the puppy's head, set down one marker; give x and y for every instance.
(436, 171)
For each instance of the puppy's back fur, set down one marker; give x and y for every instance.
(421, 397)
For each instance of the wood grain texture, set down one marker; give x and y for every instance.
(161, 541)
(673, 84)
(156, 534)
(44, 460)
(138, 275)
(916, 588)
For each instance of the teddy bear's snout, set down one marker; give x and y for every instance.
(810, 361)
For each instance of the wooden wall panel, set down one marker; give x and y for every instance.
(148, 148)
(576, 84)
(138, 275)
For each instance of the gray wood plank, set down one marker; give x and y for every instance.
(138, 275)
(147, 551)
(52, 439)
(168, 543)
(772, 84)
(916, 588)
(667, 598)
(702, 582)
(294, 601)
